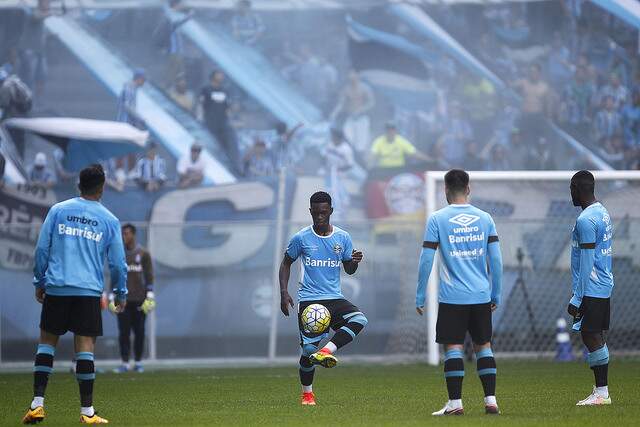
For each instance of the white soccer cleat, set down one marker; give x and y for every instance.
(448, 410)
(595, 399)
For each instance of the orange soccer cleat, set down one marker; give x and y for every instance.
(308, 399)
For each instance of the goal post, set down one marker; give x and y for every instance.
(532, 210)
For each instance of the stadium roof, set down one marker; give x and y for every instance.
(257, 4)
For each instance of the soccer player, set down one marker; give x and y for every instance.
(76, 237)
(323, 247)
(468, 292)
(140, 300)
(592, 281)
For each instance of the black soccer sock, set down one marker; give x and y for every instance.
(42, 368)
(599, 363)
(86, 375)
(454, 373)
(348, 332)
(486, 366)
(306, 371)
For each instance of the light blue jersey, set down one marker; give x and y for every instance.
(467, 239)
(591, 254)
(75, 238)
(321, 259)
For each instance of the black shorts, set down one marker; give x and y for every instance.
(339, 308)
(454, 320)
(593, 315)
(80, 315)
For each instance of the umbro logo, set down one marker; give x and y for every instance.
(464, 219)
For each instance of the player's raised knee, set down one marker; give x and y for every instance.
(309, 349)
(359, 318)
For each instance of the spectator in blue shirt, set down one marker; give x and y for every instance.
(578, 94)
(614, 89)
(457, 135)
(150, 171)
(39, 174)
(558, 63)
(258, 162)
(631, 121)
(177, 14)
(246, 26)
(127, 101)
(608, 122)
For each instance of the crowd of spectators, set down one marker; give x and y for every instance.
(24, 53)
(584, 75)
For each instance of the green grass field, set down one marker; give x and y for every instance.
(529, 393)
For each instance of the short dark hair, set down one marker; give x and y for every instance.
(91, 179)
(320, 197)
(584, 181)
(456, 181)
(129, 226)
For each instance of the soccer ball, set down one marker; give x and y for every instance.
(315, 319)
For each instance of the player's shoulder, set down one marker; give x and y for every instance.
(69, 203)
(486, 216)
(604, 212)
(440, 212)
(303, 232)
(107, 214)
(594, 214)
(66, 205)
(337, 231)
(460, 210)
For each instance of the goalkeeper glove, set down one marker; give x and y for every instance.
(112, 304)
(149, 303)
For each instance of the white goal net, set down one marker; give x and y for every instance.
(534, 217)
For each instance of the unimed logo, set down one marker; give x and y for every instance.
(464, 219)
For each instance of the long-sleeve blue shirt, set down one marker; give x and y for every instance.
(76, 237)
(468, 241)
(591, 254)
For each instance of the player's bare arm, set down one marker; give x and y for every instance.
(351, 266)
(283, 276)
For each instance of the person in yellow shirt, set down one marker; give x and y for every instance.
(391, 150)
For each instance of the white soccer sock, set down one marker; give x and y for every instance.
(490, 400)
(455, 403)
(603, 391)
(87, 411)
(37, 401)
(307, 388)
(331, 347)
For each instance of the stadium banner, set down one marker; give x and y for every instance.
(213, 251)
(21, 207)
